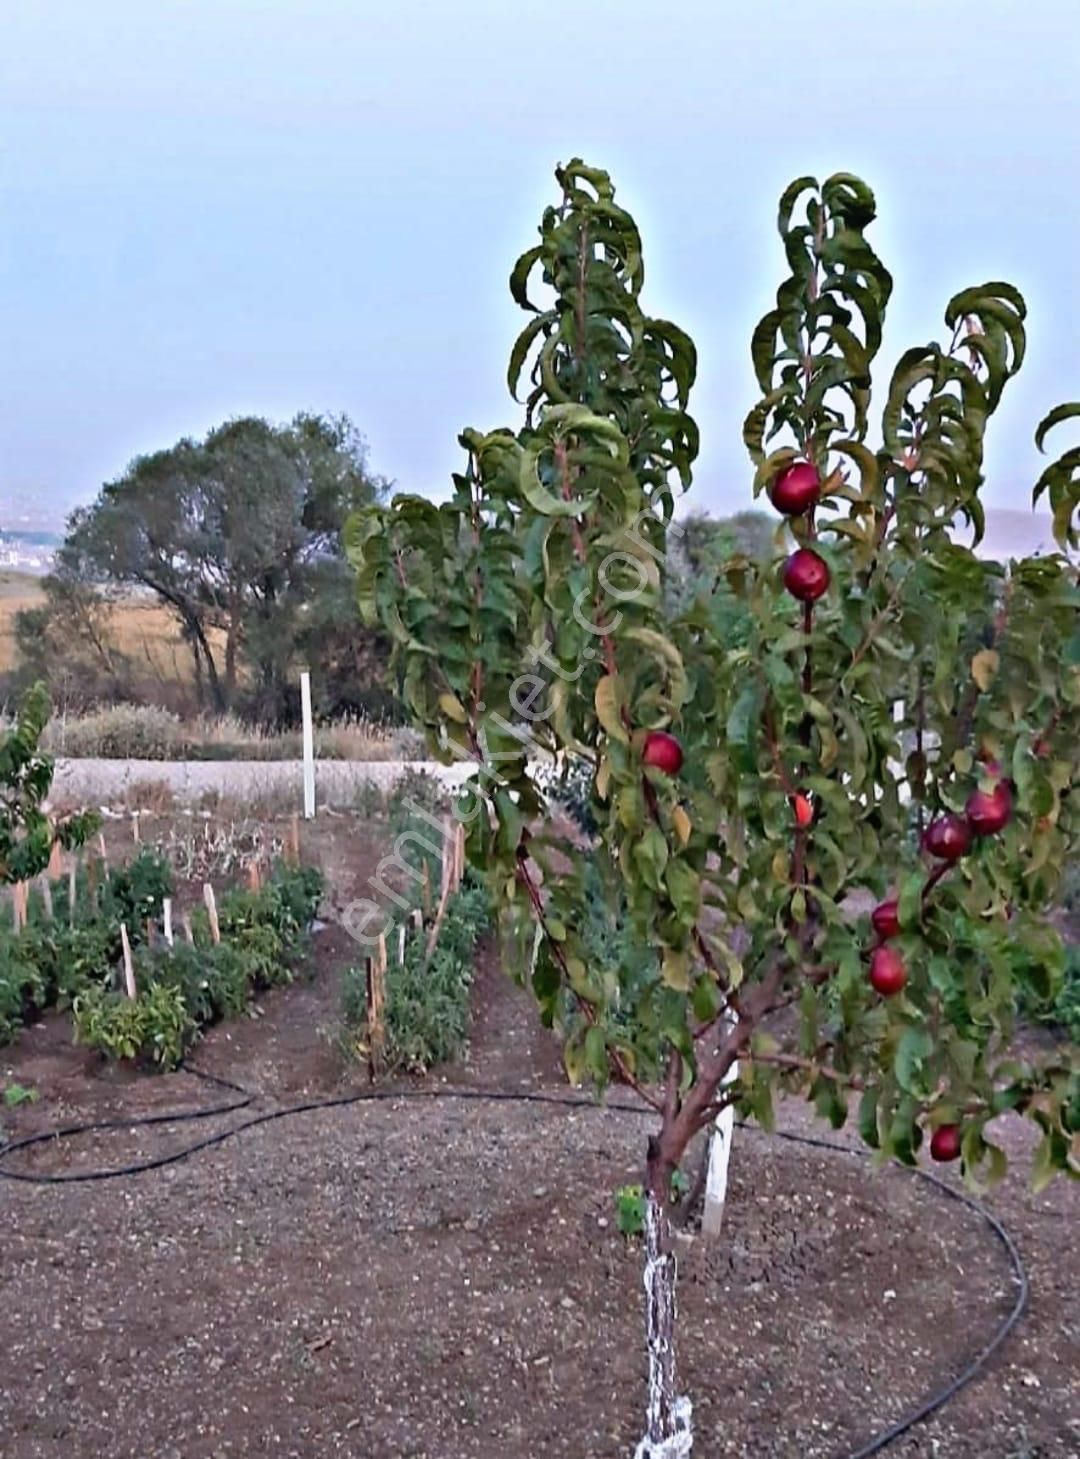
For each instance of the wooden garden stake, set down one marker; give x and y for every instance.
(294, 840)
(418, 919)
(46, 898)
(56, 860)
(425, 889)
(211, 912)
(189, 931)
(253, 876)
(376, 1000)
(166, 914)
(104, 852)
(73, 890)
(444, 892)
(135, 828)
(129, 966)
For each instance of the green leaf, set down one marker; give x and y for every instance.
(868, 1117)
(914, 1048)
(909, 901)
(607, 708)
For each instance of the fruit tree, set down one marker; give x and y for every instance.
(894, 716)
(27, 833)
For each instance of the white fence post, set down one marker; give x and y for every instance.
(309, 746)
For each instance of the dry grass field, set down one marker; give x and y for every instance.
(143, 631)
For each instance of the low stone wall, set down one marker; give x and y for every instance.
(337, 782)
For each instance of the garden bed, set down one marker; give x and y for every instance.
(404, 1278)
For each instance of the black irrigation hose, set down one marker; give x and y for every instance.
(875, 1446)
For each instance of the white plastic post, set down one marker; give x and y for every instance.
(712, 1217)
(166, 913)
(309, 746)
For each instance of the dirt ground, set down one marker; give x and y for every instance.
(442, 1278)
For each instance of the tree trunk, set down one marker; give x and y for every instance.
(668, 1431)
(232, 636)
(196, 658)
(213, 678)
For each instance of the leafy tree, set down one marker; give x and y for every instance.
(27, 833)
(68, 643)
(744, 789)
(234, 535)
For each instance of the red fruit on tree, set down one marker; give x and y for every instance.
(806, 575)
(796, 490)
(989, 811)
(663, 751)
(945, 1143)
(887, 972)
(886, 918)
(804, 811)
(948, 838)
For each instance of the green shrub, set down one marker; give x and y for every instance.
(135, 892)
(23, 990)
(69, 959)
(1057, 1004)
(427, 1002)
(286, 905)
(155, 1027)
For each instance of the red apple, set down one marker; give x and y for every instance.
(988, 811)
(796, 490)
(663, 751)
(806, 575)
(945, 1143)
(948, 838)
(887, 972)
(804, 811)
(886, 918)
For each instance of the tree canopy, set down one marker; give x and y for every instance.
(236, 535)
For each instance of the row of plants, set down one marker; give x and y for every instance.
(184, 988)
(62, 951)
(427, 998)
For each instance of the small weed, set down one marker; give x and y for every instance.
(16, 1094)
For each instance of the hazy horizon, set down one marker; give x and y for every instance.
(239, 208)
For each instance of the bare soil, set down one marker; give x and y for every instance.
(442, 1279)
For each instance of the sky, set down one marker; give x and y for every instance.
(218, 207)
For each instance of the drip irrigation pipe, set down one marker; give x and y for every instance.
(245, 1099)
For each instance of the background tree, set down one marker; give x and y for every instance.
(68, 643)
(236, 536)
(744, 790)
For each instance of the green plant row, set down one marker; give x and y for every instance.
(427, 999)
(52, 960)
(184, 988)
